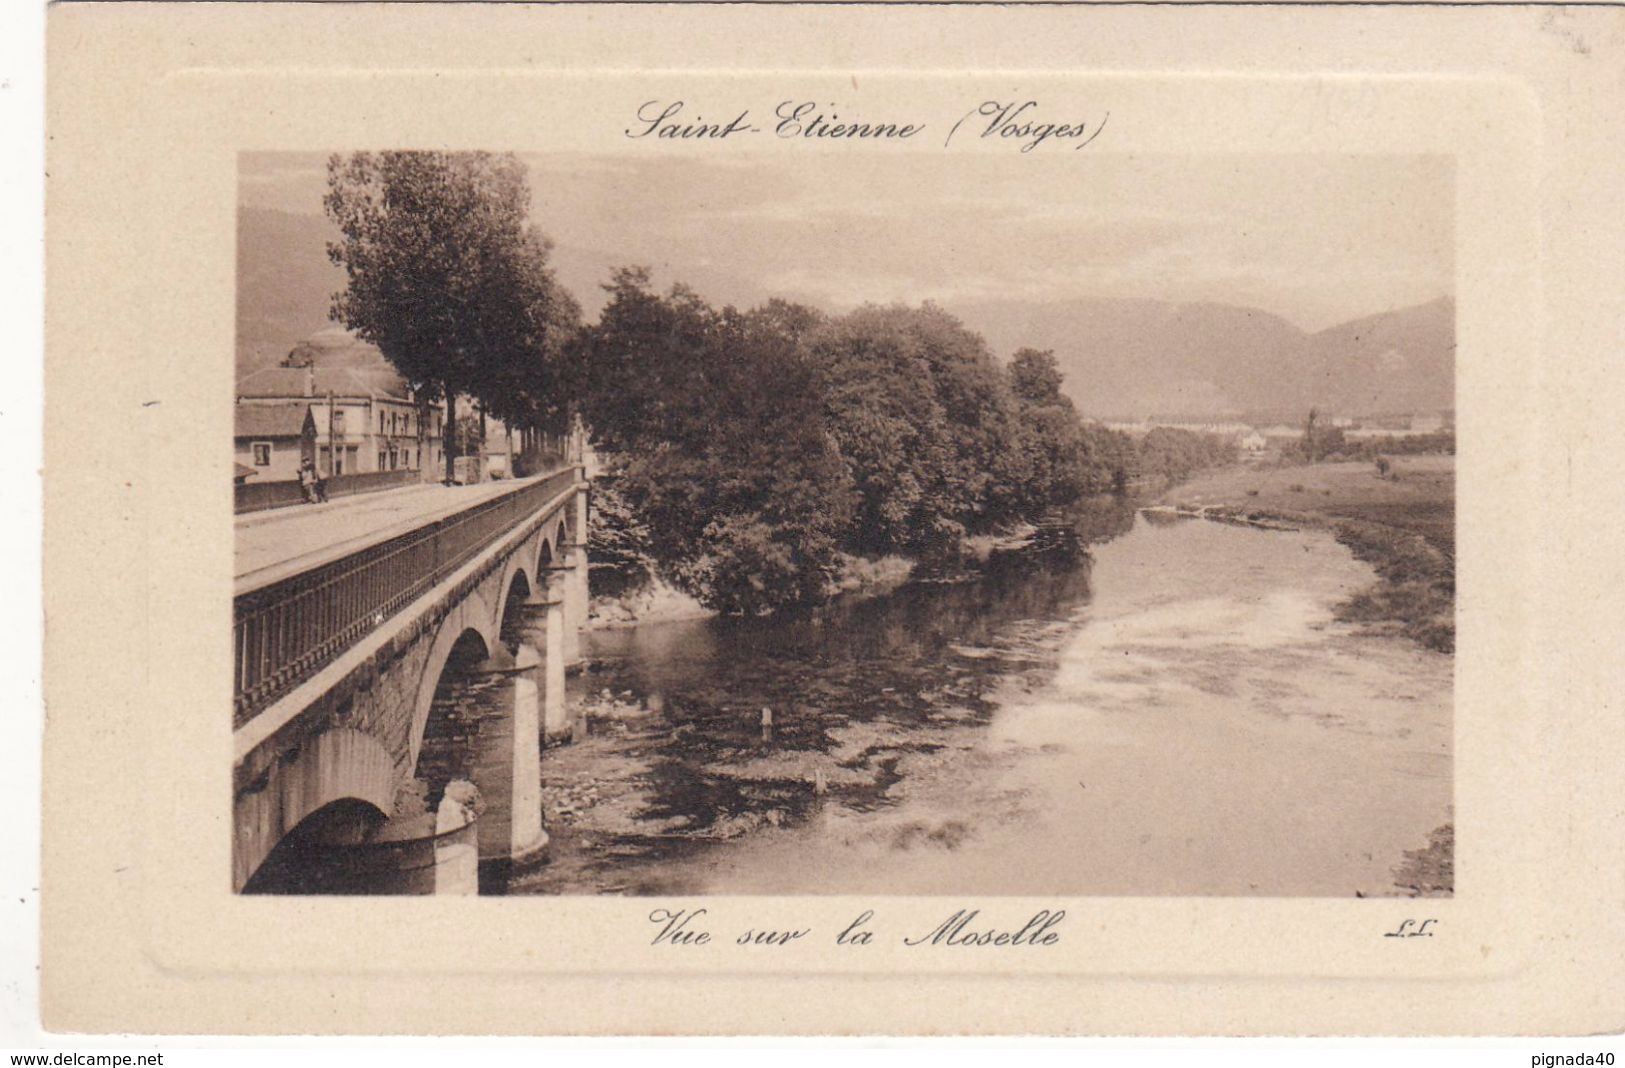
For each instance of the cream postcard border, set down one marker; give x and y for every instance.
(149, 106)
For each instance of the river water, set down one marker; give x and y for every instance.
(1118, 707)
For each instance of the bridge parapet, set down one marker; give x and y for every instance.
(492, 566)
(289, 628)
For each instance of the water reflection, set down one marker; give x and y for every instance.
(852, 688)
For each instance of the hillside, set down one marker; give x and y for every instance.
(1394, 362)
(1138, 356)
(1142, 357)
(284, 283)
(1121, 356)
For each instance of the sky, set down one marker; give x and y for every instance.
(1317, 240)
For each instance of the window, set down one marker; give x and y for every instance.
(383, 460)
(380, 421)
(262, 454)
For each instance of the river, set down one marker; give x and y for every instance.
(1120, 706)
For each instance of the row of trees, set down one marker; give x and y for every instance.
(755, 448)
(450, 279)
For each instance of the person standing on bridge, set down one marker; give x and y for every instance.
(314, 486)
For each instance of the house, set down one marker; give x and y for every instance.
(271, 441)
(365, 417)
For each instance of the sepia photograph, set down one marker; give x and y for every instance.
(812, 520)
(1053, 522)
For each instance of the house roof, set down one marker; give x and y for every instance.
(271, 420)
(334, 346)
(243, 471)
(378, 382)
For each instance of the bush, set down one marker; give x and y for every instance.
(748, 568)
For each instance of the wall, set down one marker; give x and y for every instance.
(257, 496)
(285, 456)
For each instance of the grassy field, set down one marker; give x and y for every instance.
(1403, 525)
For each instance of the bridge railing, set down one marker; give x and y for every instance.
(285, 632)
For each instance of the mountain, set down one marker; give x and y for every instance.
(1137, 357)
(1398, 361)
(284, 283)
(1128, 357)
(1140, 356)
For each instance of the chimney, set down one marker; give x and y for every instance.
(310, 380)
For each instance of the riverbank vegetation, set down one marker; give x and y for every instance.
(1401, 521)
(763, 451)
(755, 456)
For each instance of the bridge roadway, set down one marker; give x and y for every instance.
(283, 540)
(350, 618)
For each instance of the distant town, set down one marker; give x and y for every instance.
(336, 402)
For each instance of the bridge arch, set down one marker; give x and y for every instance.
(519, 582)
(341, 772)
(340, 739)
(546, 556)
(473, 617)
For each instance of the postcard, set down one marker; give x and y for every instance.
(820, 519)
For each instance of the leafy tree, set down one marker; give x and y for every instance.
(925, 422)
(1036, 378)
(719, 442)
(1175, 454)
(755, 448)
(444, 275)
(644, 367)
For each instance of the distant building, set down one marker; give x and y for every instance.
(1252, 442)
(273, 440)
(365, 419)
(1398, 426)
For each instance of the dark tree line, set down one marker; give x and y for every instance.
(758, 448)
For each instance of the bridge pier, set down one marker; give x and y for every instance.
(429, 853)
(451, 673)
(415, 850)
(545, 628)
(573, 580)
(507, 759)
(577, 595)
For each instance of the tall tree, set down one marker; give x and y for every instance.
(715, 432)
(1035, 376)
(442, 270)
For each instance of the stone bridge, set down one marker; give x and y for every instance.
(345, 657)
